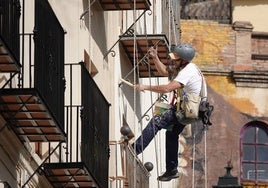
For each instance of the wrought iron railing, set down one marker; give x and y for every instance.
(71, 150)
(42, 58)
(86, 125)
(95, 128)
(49, 58)
(9, 25)
(41, 53)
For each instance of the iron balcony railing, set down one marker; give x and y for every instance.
(9, 25)
(32, 98)
(95, 128)
(86, 126)
(49, 58)
(42, 59)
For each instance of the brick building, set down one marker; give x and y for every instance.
(233, 56)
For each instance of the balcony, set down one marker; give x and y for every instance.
(84, 158)
(69, 175)
(144, 64)
(30, 118)
(33, 103)
(112, 5)
(8, 61)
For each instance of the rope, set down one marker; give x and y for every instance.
(174, 25)
(146, 60)
(172, 30)
(136, 62)
(151, 99)
(134, 79)
(205, 157)
(193, 160)
(169, 19)
(155, 143)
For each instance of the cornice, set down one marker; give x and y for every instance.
(256, 79)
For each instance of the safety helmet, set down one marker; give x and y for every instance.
(184, 51)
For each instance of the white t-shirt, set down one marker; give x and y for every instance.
(191, 78)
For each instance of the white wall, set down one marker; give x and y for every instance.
(253, 11)
(96, 33)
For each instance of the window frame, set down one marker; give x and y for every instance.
(256, 125)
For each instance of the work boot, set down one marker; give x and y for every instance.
(169, 175)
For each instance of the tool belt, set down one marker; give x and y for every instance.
(191, 107)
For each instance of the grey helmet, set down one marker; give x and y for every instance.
(184, 51)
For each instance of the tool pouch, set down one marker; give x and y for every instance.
(190, 105)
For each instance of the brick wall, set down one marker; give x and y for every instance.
(214, 43)
(224, 49)
(259, 46)
(224, 53)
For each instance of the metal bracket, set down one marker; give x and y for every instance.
(9, 80)
(161, 97)
(87, 10)
(39, 167)
(128, 32)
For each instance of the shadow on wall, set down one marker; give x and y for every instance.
(92, 20)
(216, 146)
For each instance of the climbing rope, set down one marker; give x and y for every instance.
(205, 129)
(134, 79)
(136, 63)
(171, 30)
(193, 160)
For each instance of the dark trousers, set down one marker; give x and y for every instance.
(166, 121)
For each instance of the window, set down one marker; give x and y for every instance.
(259, 41)
(254, 152)
(90, 65)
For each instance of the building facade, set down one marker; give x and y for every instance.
(67, 118)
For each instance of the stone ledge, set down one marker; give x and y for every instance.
(242, 26)
(242, 77)
(250, 79)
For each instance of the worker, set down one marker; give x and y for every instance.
(186, 79)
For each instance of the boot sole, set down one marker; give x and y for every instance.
(168, 178)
